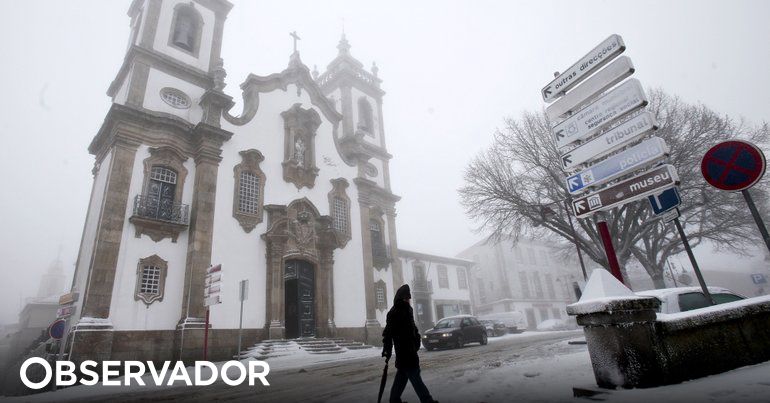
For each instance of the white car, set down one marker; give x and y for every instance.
(681, 299)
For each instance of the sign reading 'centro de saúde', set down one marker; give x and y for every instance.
(643, 185)
(599, 56)
(640, 155)
(610, 141)
(622, 100)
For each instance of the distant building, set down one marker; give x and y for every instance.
(440, 286)
(527, 277)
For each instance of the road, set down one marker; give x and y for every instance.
(358, 380)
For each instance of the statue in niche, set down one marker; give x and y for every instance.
(299, 151)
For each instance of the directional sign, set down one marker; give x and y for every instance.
(609, 141)
(212, 285)
(599, 56)
(622, 100)
(614, 73)
(635, 188)
(665, 200)
(65, 311)
(670, 215)
(733, 165)
(638, 156)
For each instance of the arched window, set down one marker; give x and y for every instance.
(248, 197)
(339, 207)
(186, 28)
(161, 191)
(365, 119)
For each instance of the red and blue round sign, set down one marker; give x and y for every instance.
(56, 330)
(733, 165)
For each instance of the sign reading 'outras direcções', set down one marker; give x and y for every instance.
(599, 56)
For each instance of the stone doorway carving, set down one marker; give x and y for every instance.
(298, 236)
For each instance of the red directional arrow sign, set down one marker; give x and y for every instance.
(733, 165)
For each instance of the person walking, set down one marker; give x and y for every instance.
(401, 331)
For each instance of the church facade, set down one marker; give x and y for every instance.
(292, 194)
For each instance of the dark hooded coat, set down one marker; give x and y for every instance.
(401, 331)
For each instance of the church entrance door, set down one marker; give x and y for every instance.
(299, 299)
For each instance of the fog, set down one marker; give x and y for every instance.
(452, 71)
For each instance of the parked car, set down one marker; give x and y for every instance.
(681, 299)
(455, 331)
(514, 320)
(494, 327)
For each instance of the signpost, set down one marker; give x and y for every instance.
(638, 156)
(212, 288)
(669, 216)
(635, 188)
(609, 141)
(243, 295)
(736, 166)
(596, 58)
(614, 73)
(665, 201)
(590, 110)
(617, 103)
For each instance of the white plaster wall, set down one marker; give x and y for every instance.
(122, 95)
(164, 29)
(126, 313)
(89, 231)
(242, 254)
(152, 100)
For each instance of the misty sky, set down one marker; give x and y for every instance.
(452, 71)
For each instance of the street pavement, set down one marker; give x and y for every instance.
(358, 380)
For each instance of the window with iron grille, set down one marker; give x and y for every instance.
(340, 214)
(443, 277)
(462, 281)
(163, 174)
(150, 281)
(248, 196)
(380, 293)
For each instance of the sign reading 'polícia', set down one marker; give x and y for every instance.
(638, 156)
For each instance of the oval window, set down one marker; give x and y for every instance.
(175, 98)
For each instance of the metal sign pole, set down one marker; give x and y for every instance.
(757, 217)
(574, 238)
(609, 250)
(206, 336)
(693, 261)
(240, 321)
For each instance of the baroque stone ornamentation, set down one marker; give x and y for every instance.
(150, 279)
(299, 165)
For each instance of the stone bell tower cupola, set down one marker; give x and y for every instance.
(173, 56)
(358, 96)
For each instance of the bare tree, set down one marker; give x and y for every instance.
(517, 187)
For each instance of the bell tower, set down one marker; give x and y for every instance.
(173, 56)
(358, 96)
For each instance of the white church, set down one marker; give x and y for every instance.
(292, 194)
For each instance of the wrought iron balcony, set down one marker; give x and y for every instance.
(156, 209)
(159, 220)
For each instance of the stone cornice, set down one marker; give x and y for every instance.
(126, 124)
(370, 193)
(220, 7)
(359, 79)
(137, 54)
(298, 74)
(433, 258)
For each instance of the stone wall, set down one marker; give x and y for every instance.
(632, 346)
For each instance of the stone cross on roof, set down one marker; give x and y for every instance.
(296, 38)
